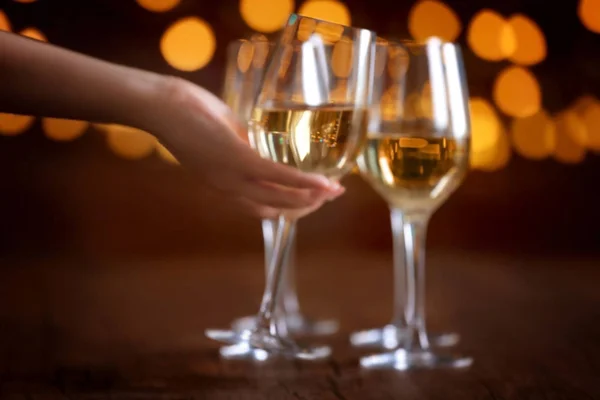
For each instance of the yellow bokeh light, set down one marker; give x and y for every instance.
(129, 143)
(165, 154)
(341, 58)
(569, 126)
(189, 44)
(530, 41)
(4, 22)
(534, 137)
(245, 55)
(589, 14)
(306, 28)
(430, 18)
(590, 117)
(33, 33)
(485, 132)
(517, 92)
(490, 36)
(326, 10)
(498, 156)
(266, 15)
(158, 5)
(12, 124)
(63, 130)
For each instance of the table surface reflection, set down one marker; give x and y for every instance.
(133, 330)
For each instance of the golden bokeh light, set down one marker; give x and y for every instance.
(129, 143)
(498, 156)
(485, 132)
(33, 33)
(63, 130)
(158, 5)
(4, 22)
(305, 29)
(12, 124)
(329, 32)
(534, 137)
(590, 117)
(189, 44)
(245, 55)
(569, 126)
(490, 36)
(589, 14)
(341, 58)
(266, 15)
(326, 10)
(517, 92)
(531, 45)
(430, 18)
(165, 154)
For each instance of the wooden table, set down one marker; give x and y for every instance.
(531, 324)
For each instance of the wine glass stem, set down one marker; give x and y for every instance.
(401, 272)
(415, 237)
(277, 265)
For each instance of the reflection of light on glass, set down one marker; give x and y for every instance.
(300, 140)
(245, 55)
(432, 18)
(517, 92)
(63, 130)
(341, 58)
(12, 124)
(315, 76)
(386, 173)
(266, 15)
(457, 97)
(436, 76)
(189, 44)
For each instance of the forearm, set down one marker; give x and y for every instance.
(41, 79)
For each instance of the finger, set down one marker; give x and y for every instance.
(278, 196)
(253, 209)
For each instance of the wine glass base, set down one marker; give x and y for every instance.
(390, 337)
(260, 346)
(404, 360)
(297, 325)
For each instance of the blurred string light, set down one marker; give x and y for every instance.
(490, 36)
(266, 15)
(488, 140)
(63, 130)
(158, 5)
(530, 41)
(12, 124)
(188, 44)
(127, 142)
(430, 18)
(589, 14)
(534, 137)
(569, 126)
(588, 109)
(34, 33)
(326, 10)
(517, 92)
(4, 22)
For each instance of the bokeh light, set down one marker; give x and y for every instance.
(534, 137)
(189, 44)
(63, 130)
(165, 154)
(12, 124)
(498, 156)
(306, 28)
(266, 15)
(430, 18)
(590, 117)
(531, 45)
(589, 14)
(517, 92)
(129, 143)
(341, 58)
(329, 32)
(490, 36)
(158, 5)
(326, 10)
(34, 33)
(4, 22)
(485, 133)
(245, 55)
(569, 126)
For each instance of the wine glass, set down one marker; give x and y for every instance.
(416, 155)
(246, 61)
(391, 66)
(302, 120)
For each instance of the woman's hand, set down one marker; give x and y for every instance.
(205, 137)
